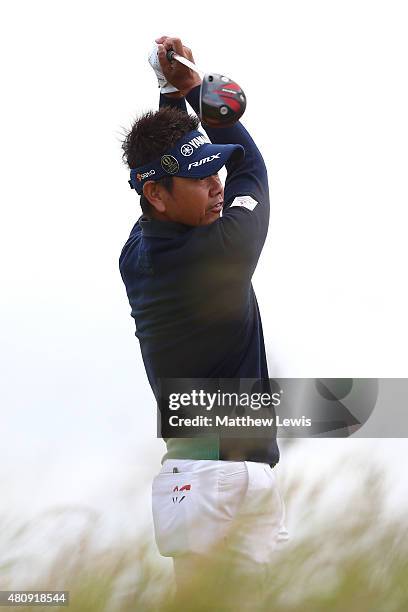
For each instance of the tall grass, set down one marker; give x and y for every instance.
(347, 557)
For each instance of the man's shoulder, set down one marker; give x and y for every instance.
(131, 243)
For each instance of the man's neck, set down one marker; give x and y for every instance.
(158, 216)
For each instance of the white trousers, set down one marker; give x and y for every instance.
(199, 506)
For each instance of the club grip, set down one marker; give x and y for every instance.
(170, 54)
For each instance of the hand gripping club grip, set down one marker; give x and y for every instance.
(172, 55)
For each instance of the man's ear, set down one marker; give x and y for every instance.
(154, 193)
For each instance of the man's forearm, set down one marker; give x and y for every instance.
(175, 101)
(251, 173)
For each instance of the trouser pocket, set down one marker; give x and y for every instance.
(187, 514)
(259, 524)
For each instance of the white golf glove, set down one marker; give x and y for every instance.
(165, 86)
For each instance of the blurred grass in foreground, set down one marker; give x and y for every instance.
(351, 559)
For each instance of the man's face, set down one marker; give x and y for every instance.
(194, 201)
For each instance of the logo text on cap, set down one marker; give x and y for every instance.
(204, 160)
(187, 149)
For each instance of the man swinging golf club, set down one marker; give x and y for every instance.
(187, 271)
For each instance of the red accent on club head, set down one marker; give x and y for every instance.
(216, 93)
(234, 104)
(232, 85)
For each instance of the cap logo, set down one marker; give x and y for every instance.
(186, 150)
(204, 160)
(170, 164)
(140, 177)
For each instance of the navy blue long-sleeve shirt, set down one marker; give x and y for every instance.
(191, 294)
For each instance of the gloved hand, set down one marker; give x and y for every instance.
(165, 86)
(179, 75)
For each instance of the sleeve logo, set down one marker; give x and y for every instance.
(244, 202)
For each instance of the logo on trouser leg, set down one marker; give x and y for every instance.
(177, 490)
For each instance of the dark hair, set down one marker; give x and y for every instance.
(153, 134)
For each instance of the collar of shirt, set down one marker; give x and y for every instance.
(162, 229)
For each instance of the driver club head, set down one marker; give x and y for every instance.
(222, 101)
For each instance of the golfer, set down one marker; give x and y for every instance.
(187, 267)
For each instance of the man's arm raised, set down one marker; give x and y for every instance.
(248, 178)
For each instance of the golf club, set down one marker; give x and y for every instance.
(222, 101)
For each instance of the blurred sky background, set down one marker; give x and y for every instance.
(327, 104)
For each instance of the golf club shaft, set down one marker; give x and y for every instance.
(172, 55)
